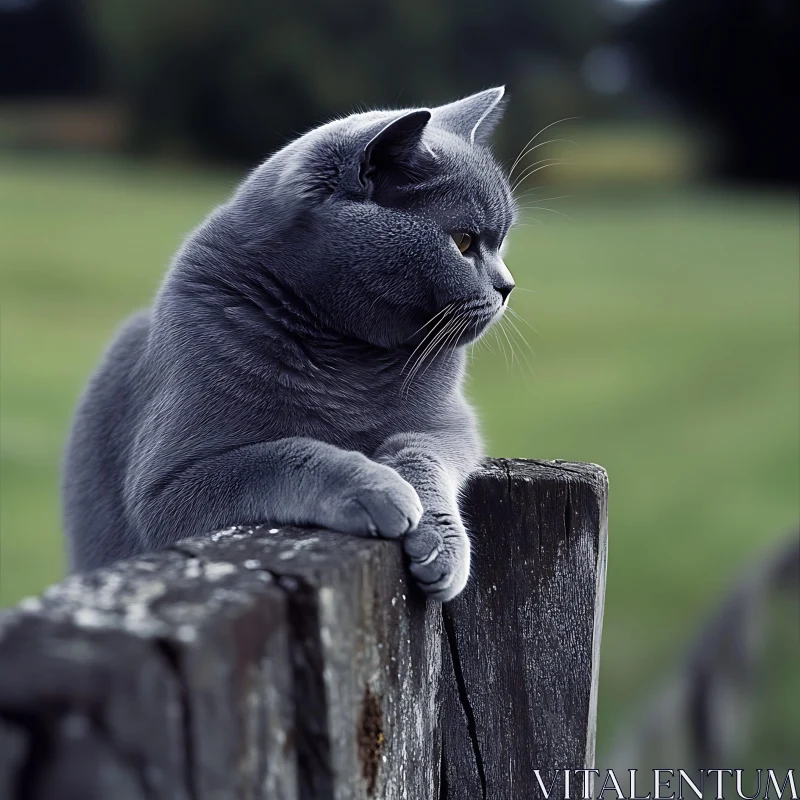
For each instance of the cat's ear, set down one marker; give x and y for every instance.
(473, 118)
(394, 146)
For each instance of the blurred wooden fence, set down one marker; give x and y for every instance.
(704, 711)
(282, 663)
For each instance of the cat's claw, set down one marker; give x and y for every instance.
(433, 554)
(439, 558)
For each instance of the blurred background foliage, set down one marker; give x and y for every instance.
(658, 257)
(235, 79)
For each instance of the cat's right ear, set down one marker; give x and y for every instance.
(393, 148)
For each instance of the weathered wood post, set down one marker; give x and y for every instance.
(280, 663)
(523, 640)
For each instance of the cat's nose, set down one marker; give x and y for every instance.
(501, 277)
(505, 290)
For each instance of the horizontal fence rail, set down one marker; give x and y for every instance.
(285, 663)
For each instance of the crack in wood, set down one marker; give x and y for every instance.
(193, 646)
(472, 728)
(38, 734)
(171, 657)
(314, 767)
(370, 739)
(568, 515)
(444, 788)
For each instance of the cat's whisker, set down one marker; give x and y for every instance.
(519, 316)
(483, 341)
(522, 352)
(530, 207)
(437, 314)
(431, 332)
(510, 344)
(430, 338)
(425, 338)
(536, 136)
(522, 319)
(378, 297)
(532, 189)
(513, 325)
(475, 343)
(452, 342)
(521, 336)
(478, 342)
(432, 350)
(541, 199)
(535, 163)
(551, 210)
(528, 171)
(449, 343)
(531, 149)
(409, 377)
(465, 327)
(525, 224)
(440, 335)
(455, 332)
(496, 332)
(515, 333)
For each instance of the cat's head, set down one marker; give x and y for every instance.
(383, 220)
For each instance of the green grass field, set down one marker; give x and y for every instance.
(666, 348)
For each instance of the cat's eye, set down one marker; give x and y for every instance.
(463, 240)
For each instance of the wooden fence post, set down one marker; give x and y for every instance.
(280, 663)
(522, 641)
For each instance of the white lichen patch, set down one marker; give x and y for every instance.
(136, 597)
(92, 618)
(31, 604)
(325, 636)
(306, 542)
(187, 634)
(225, 533)
(252, 563)
(215, 571)
(192, 569)
(327, 613)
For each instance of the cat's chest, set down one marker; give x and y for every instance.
(351, 411)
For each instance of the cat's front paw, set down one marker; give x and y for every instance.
(439, 555)
(375, 502)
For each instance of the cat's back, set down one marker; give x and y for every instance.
(97, 449)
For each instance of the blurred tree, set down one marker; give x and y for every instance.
(45, 50)
(237, 78)
(730, 63)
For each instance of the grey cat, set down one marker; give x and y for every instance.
(304, 358)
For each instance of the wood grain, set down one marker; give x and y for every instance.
(520, 683)
(275, 662)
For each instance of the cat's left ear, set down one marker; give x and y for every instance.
(394, 146)
(473, 118)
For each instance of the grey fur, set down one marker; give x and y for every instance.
(270, 379)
